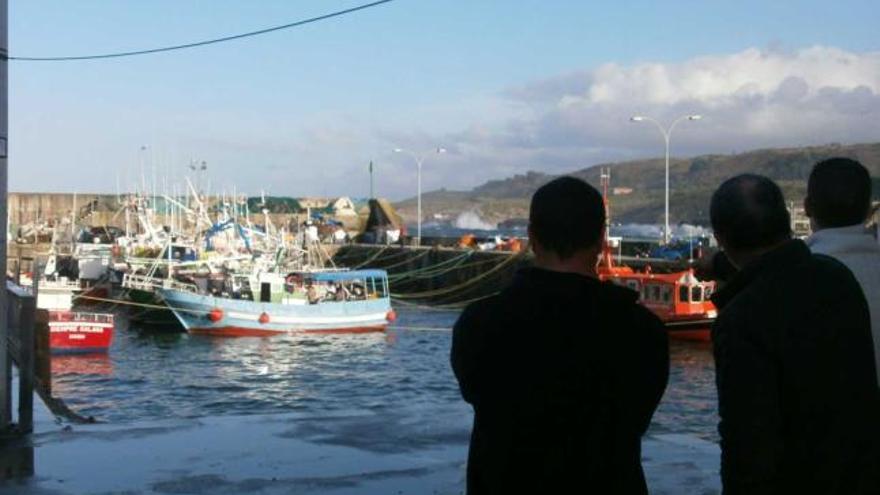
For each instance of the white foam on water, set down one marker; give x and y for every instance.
(471, 220)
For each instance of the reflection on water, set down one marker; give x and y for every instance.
(81, 364)
(150, 375)
(690, 403)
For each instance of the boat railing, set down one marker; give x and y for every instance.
(150, 284)
(81, 317)
(61, 284)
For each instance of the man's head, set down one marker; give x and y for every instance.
(567, 221)
(838, 194)
(749, 217)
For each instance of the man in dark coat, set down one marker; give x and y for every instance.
(564, 372)
(794, 359)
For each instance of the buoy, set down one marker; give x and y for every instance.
(215, 315)
(391, 316)
(264, 318)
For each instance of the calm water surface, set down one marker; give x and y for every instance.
(150, 375)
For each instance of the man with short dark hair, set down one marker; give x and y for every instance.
(797, 393)
(563, 371)
(838, 203)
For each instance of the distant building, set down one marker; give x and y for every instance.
(313, 202)
(343, 207)
(621, 191)
(800, 222)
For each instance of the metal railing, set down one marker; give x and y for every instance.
(150, 284)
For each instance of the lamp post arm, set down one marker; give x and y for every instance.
(663, 130)
(673, 124)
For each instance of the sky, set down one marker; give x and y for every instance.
(505, 87)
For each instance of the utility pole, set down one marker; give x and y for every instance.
(5, 396)
(371, 180)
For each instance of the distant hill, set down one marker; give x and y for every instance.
(692, 182)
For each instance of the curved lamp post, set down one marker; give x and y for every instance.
(419, 160)
(667, 133)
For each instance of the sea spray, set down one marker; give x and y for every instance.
(470, 220)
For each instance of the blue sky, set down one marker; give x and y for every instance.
(506, 86)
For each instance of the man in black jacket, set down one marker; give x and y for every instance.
(563, 371)
(794, 360)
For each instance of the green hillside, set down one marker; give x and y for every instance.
(692, 182)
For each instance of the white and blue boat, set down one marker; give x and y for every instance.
(264, 304)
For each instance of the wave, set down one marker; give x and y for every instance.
(471, 220)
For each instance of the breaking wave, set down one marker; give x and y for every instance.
(471, 220)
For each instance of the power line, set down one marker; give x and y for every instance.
(204, 42)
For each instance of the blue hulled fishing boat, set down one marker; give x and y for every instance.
(263, 304)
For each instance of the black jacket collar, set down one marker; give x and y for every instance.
(567, 284)
(788, 254)
(539, 278)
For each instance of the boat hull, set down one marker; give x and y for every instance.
(77, 332)
(209, 315)
(696, 330)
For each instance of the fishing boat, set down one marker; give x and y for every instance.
(70, 330)
(268, 303)
(679, 299)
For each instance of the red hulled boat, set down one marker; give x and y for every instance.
(71, 331)
(679, 299)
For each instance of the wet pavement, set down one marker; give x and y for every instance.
(343, 453)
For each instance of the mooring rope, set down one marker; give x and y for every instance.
(421, 276)
(431, 270)
(409, 260)
(421, 329)
(472, 281)
(143, 305)
(371, 258)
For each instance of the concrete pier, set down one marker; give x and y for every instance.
(352, 452)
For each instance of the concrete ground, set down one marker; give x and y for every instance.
(345, 453)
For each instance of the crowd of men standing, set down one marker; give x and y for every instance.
(564, 372)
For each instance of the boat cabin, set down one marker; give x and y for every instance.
(310, 287)
(668, 295)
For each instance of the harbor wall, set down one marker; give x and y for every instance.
(452, 277)
(94, 210)
(437, 276)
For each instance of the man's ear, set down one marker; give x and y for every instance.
(808, 206)
(533, 241)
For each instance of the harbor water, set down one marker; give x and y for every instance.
(400, 378)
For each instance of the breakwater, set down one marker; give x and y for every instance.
(451, 277)
(437, 276)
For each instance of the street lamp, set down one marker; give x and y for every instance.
(667, 133)
(419, 160)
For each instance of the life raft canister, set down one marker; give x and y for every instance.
(215, 315)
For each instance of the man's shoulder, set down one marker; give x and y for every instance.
(484, 308)
(830, 268)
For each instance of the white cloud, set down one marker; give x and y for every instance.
(751, 99)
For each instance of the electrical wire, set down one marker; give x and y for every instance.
(201, 43)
